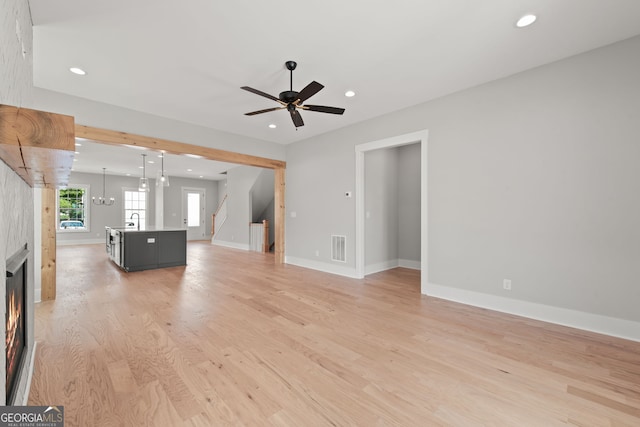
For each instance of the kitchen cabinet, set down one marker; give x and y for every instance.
(135, 250)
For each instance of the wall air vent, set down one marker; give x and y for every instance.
(339, 248)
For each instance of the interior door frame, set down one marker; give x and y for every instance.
(185, 211)
(420, 137)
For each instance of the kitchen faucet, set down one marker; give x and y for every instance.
(136, 213)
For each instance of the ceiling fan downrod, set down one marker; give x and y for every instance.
(291, 65)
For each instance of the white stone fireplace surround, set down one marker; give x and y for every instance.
(16, 231)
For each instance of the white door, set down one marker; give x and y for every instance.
(193, 214)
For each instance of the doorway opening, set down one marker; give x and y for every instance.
(421, 138)
(193, 213)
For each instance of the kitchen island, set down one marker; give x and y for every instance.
(135, 250)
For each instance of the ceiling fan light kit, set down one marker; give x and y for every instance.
(293, 101)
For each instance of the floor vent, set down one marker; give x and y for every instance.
(339, 248)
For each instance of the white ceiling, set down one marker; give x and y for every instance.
(187, 60)
(92, 156)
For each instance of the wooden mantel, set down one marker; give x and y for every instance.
(37, 145)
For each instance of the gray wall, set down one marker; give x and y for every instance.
(16, 197)
(173, 201)
(409, 203)
(262, 194)
(235, 231)
(533, 177)
(101, 216)
(222, 190)
(392, 207)
(381, 207)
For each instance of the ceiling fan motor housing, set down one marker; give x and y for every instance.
(288, 96)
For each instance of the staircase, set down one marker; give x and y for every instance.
(219, 217)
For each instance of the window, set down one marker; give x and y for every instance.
(135, 209)
(193, 209)
(73, 209)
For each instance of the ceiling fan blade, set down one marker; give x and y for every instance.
(308, 91)
(253, 113)
(323, 109)
(297, 118)
(259, 92)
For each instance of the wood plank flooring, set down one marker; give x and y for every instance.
(233, 339)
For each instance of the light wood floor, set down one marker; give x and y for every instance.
(233, 339)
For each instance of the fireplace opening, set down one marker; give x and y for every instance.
(16, 339)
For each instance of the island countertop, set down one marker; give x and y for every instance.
(150, 228)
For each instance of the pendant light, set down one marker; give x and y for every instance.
(102, 201)
(144, 181)
(162, 179)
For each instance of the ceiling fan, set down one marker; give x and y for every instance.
(292, 101)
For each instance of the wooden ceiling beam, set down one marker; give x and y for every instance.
(173, 147)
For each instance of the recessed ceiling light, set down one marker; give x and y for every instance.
(201, 176)
(349, 93)
(151, 161)
(193, 156)
(78, 144)
(77, 152)
(75, 160)
(140, 167)
(78, 71)
(526, 20)
(189, 170)
(272, 126)
(128, 174)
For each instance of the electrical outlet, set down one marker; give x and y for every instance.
(506, 284)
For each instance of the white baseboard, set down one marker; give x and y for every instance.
(30, 373)
(388, 265)
(408, 263)
(380, 266)
(562, 316)
(234, 245)
(340, 270)
(79, 242)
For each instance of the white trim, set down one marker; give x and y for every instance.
(380, 266)
(409, 263)
(396, 141)
(79, 242)
(340, 270)
(391, 264)
(233, 245)
(27, 389)
(562, 316)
